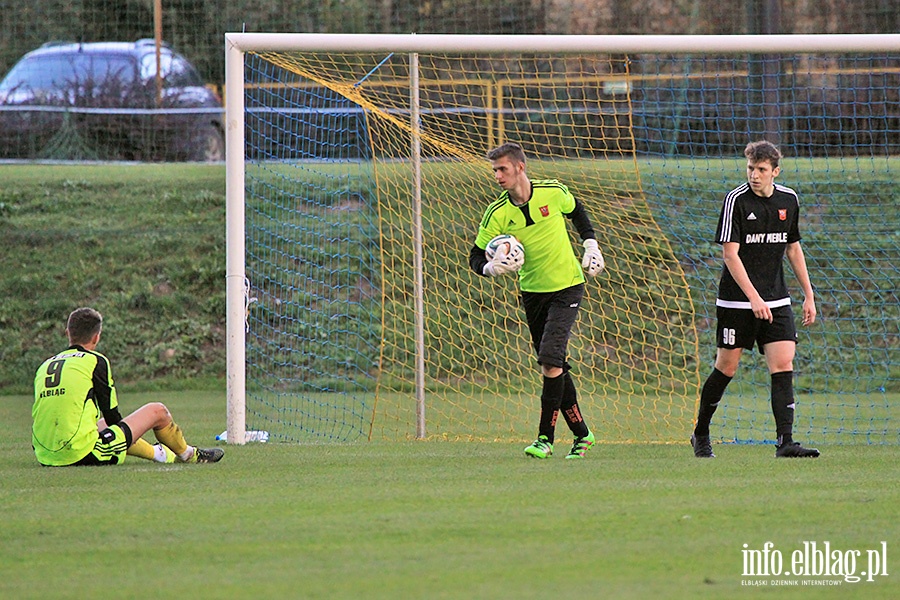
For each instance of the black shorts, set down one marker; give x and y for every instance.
(550, 317)
(739, 328)
(111, 446)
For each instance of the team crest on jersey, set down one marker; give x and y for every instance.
(782, 214)
(545, 211)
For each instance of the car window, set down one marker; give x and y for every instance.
(148, 65)
(58, 71)
(184, 73)
(176, 71)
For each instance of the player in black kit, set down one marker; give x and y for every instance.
(758, 227)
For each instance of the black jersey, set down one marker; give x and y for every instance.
(763, 227)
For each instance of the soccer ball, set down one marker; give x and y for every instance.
(509, 246)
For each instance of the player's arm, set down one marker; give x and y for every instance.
(582, 221)
(592, 261)
(477, 260)
(104, 393)
(795, 256)
(735, 266)
(487, 229)
(501, 264)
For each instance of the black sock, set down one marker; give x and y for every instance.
(783, 406)
(551, 398)
(710, 395)
(571, 411)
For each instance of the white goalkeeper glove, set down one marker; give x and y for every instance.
(504, 263)
(593, 261)
(495, 269)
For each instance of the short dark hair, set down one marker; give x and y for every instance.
(763, 150)
(510, 149)
(83, 324)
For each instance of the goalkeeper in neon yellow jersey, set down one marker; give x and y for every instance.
(76, 419)
(551, 281)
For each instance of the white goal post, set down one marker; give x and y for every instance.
(237, 44)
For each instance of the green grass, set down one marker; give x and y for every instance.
(143, 244)
(429, 520)
(378, 520)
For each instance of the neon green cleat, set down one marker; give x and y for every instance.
(581, 445)
(540, 448)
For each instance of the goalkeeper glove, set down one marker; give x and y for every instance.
(593, 261)
(503, 263)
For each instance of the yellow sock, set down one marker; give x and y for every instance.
(171, 436)
(163, 454)
(141, 448)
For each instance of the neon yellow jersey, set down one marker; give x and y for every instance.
(540, 224)
(69, 389)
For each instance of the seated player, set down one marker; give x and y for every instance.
(76, 419)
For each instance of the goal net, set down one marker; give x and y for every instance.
(357, 177)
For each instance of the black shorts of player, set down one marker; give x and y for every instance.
(110, 447)
(550, 317)
(739, 328)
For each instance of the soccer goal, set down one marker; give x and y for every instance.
(356, 178)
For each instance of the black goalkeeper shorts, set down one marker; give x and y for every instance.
(550, 317)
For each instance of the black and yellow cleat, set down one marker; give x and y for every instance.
(207, 455)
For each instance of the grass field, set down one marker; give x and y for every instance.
(141, 243)
(385, 520)
(432, 519)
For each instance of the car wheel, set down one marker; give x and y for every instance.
(208, 146)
